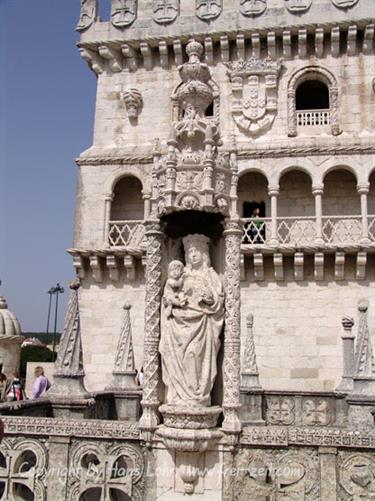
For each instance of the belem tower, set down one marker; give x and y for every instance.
(225, 242)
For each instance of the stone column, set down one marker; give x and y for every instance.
(273, 193)
(107, 213)
(58, 474)
(327, 457)
(346, 383)
(232, 333)
(147, 205)
(150, 401)
(292, 115)
(363, 190)
(318, 192)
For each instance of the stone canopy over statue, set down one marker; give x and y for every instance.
(192, 318)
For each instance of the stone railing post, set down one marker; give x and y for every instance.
(150, 401)
(363, 190)
(232, 332)
(346, 383)
(273, 193)
(147, 204)
(317, 191)
(107, 214)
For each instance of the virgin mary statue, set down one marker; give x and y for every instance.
(191, 321)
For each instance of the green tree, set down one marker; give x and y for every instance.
(35, 354)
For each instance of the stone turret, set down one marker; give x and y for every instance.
(10, 338)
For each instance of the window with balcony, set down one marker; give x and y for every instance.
(313, 102)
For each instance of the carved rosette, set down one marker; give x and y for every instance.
(150, 401)
(254, 89)
(232, 332)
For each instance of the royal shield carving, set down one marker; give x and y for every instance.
(344, 4)
(123, 12)
(165, 11)
(208, 9)
(89, 10)
(298, 5)
(253, 7)
(254, 89)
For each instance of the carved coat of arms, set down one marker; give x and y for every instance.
(344, 4)
(298, 5)
(208, 9)
(89, 9)
(253, 7)
(165, 11)
(123, 12)
(254, 89)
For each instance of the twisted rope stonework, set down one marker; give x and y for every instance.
(232, 321)
(152, 316)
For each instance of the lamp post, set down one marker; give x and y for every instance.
(50, 292)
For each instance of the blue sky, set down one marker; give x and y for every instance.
(47, 99)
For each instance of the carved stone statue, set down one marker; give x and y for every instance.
(191, 321)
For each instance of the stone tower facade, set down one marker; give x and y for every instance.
(224, 240)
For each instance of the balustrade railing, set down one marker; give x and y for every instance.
(126, 233)
(371, 228)
(256, 230)
(313, 118)
(296, 230)
(342, 229)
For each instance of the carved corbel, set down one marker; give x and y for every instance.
(113, 269)
(258, 266)
(319, 266)
(302, 42)
(129, 263)
(113, 57)
(368, 39)
(335, 41)
(224, 45)
(340, 265)
(93, 59)
(352, 40)
(177, 47)
(147, 55)
(133, 102)
(298, 266)
(278, 265)
(208, 50)
(361, 265)
(96, 269)
(271, 44)
(240, 43)
(255, 45)
(287, 44)
(131, 56)
(163, 51)
(78, 263)
(319, 42)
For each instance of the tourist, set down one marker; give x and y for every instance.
(257, 233)
(41, 383)
(15, 391)
(141, 377)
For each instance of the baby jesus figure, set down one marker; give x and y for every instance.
(173, 290)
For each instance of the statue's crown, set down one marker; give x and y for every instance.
(196, 240)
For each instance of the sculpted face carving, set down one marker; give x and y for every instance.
(191, 321)
(133, 102)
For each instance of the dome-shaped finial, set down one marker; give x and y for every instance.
(194, 50)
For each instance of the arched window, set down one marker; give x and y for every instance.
(127, 200)
(313, 102)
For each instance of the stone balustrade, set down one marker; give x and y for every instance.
(126, 233)
(313, 118)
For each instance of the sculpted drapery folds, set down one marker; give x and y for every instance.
(191, 322)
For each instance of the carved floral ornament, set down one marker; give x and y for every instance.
(254, 88)
(165, 11)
